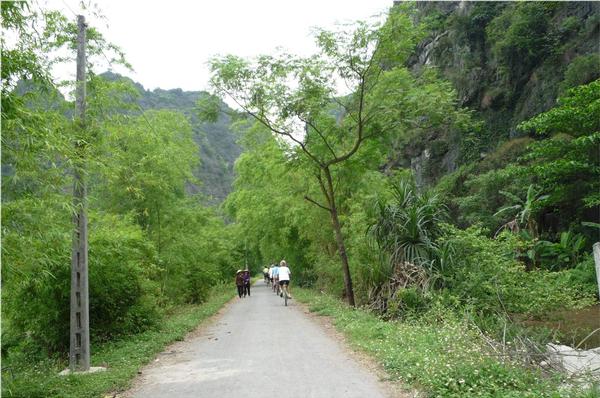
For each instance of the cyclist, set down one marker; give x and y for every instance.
(275, 274)
(284, 278)
(266, 274)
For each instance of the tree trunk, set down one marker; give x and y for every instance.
(337, 229)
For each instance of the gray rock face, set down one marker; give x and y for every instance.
(459, 44)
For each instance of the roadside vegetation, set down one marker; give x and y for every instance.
(122, 357)
(155, 251)
(439, 351)
(446, 273)
(439, 269)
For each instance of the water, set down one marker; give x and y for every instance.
(572, 326)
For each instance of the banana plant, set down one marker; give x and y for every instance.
(523, 210)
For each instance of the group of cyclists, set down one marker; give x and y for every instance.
(278, 276)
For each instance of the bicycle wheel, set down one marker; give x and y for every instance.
(285, 296)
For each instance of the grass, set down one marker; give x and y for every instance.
(439, 354)
(122, 358)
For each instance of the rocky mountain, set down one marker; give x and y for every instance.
(216, 141)
(508, 61)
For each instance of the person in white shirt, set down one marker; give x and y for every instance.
(284, 277)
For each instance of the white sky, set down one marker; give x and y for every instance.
(169, 43)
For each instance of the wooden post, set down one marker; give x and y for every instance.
(79, 352)
(596, 248)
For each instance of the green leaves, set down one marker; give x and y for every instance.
(563, 254)
(150, 243)
(149, 159)
(487, 275)
(520, 37)
(567, 164)
(577, 113)
(408, 227)
(299, 98)
(209, 108)
(563, 162)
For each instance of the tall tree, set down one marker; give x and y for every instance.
(328, 105)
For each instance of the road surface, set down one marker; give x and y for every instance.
(258, 348)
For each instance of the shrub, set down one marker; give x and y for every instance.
(36, 293)
(408, 301)
(563, 254)
(506, 153)
(406, 227)
(487, 276)
(329, 276)
(584, 276)
(123, 273)
(483, 199)
(519, 37)
(199, 277)
(195, 253)
(582, 70)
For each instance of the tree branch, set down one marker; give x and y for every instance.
(311, 124)
(317, 203)
(348, 112)
(360, 126)
(322, 185)
(265, 122)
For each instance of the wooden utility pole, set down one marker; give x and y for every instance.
(79, 353)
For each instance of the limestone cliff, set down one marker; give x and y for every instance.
(507, 61)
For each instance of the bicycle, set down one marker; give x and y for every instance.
(284, 293)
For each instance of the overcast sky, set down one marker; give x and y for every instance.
(169, 43)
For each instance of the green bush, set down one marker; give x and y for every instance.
(582, 70)
(487, 276)
(408, 301)
(122, 269)
(195, 252)
(329, 276)
(483, 199)
(563, 254)
(584, 276)
(505, 153)
(200, 278)
(35, 253)
(408, 225)
(520, 37)
(36, 293)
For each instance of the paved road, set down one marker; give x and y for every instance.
(247, 354)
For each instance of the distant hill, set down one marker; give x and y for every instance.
(216, 141)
